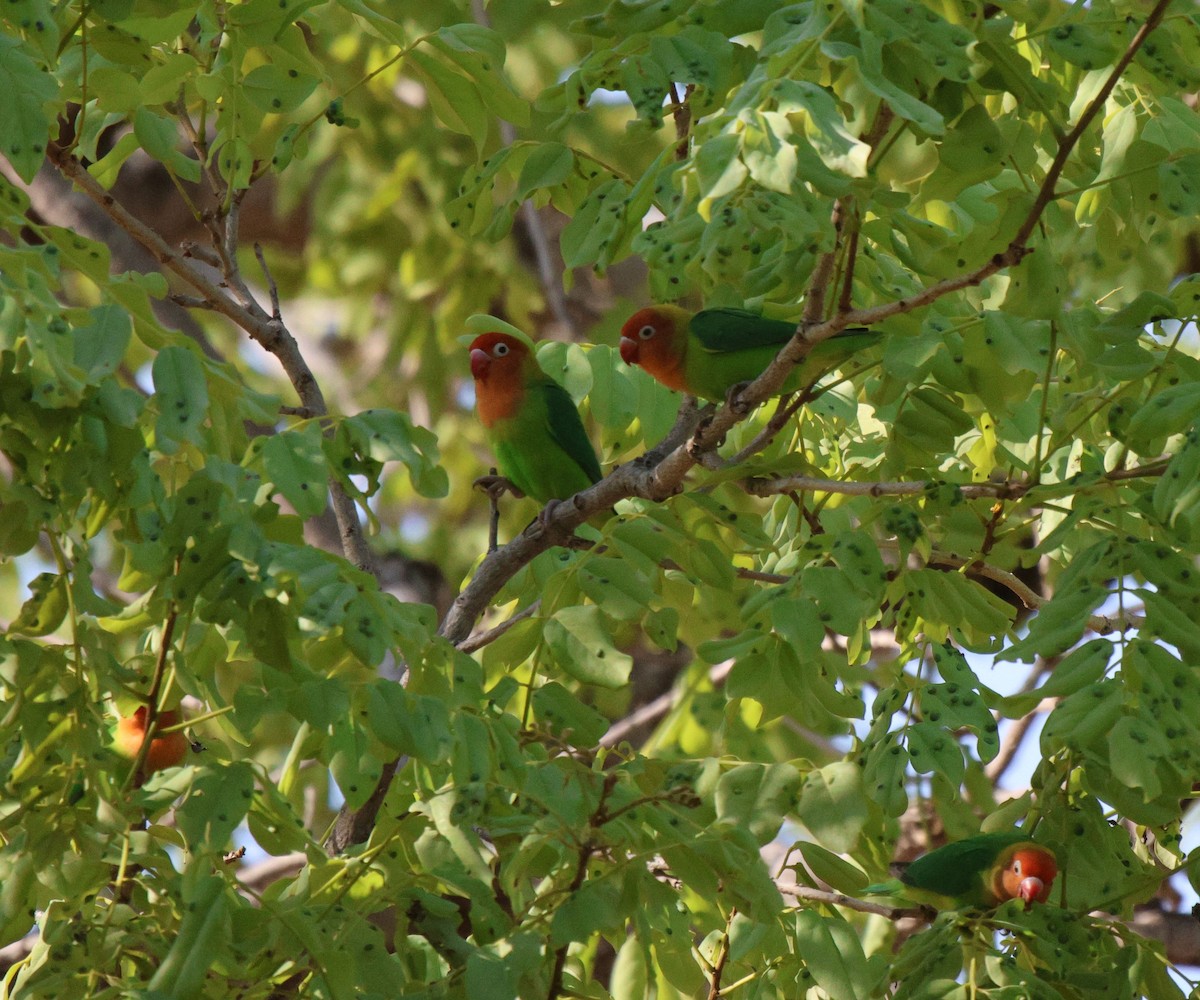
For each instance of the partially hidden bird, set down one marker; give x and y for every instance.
(529, 420)
(166, 749)
(707, 353)
(981, 872)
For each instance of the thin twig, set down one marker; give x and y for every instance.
(190, 248)
(1014, 736)
(481, 639)
(153, 693)
(493, 516)
(272, 288)
(658, 707)
(1007, 490)
(850, 902)
(818, 284)
(846, 301)
(192, 302)
(718, 967)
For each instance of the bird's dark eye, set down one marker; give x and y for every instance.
(500, 350)
(646, 332)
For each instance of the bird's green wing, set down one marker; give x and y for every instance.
(724, 331)
(567, 429)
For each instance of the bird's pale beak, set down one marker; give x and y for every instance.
(629, 351)
(480, 360)
(1031, 889)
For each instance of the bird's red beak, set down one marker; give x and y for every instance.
(1032, 889)
(629, 351)
(480, 361)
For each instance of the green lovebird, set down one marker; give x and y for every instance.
(981, 871)
(705, 354)
(531, 423)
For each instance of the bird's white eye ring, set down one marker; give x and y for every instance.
(646, 332)
(500, 350)
(1017, 868)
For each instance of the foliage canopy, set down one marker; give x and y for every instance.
(1006, 485)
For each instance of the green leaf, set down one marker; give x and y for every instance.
(1137, 750)
(480, 53)
(24, 124)
(197, 940)
(387, 436)
(294, 461)
(1176, 497)
(833, 805)
(417, 725)
(593, 907)
(489, 977)
(160, 137)
(932, 748)
(216, 803)
(719, 170)
(835, 872)
(833, 139)
(757, 797)
(182, 395)
(1083, 717)
(930, 421)
(455, 99)
(1082, 45)
(578, 640)
(1081, 668)
(616, 587)
(886, 762)
(598, 228)
(547, 166)
(565, 714)
(1173, 621)
(278, 88)
(100, 345)
(354, 765)
(833, 953)
(46, 606)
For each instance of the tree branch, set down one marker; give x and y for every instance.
(1006, 490)
(267, 331)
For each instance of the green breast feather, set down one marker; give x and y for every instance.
(543, 448)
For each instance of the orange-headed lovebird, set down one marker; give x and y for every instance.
(706, 354)
(981, 871)
(166, 749)
(531, 423)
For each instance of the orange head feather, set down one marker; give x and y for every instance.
(1028, 876)
(165, 750)
(656, 339)
(498, 365)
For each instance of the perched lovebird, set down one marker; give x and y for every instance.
(166, 750)
(981, 871)
(707, 353)
(530, 422)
